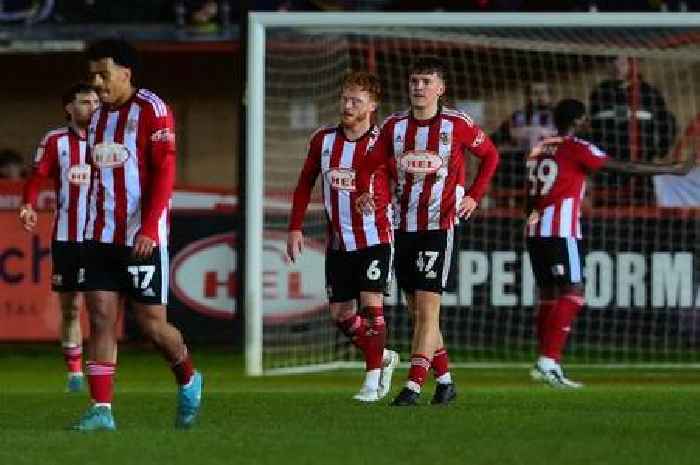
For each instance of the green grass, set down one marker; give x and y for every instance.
(631, 417)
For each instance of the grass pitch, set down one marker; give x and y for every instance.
(633, 417)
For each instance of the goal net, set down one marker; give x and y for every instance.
(639, 262)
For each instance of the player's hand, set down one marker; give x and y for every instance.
(28, 217)
(466, 207)
(295, 245)
(143, 247)
(364, 204)
(533, 218)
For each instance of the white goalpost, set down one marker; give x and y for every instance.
(642, 293)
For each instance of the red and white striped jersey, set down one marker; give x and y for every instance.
(61, 156)
(557, 170)
(427, 161)
(132, 152)
(337, 159)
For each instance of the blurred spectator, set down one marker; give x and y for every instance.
(31, 11)
(111, 11)
(682, 191)
(630, 121)
(526, 127)
(518, 134)
(11, 165)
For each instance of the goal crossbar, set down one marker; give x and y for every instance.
(259, 23)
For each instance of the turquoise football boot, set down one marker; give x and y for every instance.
(189, 398)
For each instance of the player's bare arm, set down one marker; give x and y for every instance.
(650, 169)
(295, 244)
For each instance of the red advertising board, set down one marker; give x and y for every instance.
(28, 308)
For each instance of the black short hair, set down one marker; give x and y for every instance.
(566, 112)
(77, 88)
(429, 64)
(10, 157)
(119, 50)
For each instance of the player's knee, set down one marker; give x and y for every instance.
(101, 321)
(342, 311)
(70, 313)
(70, 306)
(151, 326)
(426, 318)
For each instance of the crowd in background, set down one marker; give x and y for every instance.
(199, 12)
(608, 101)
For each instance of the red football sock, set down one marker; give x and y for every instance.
(101, 380)
(73, 357)
(183, 368)
(559, 324)
(353, 328)
(374, 338)
(543, 313)
(420, 364)
(440, 363)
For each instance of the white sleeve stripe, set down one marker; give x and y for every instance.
(156, 102)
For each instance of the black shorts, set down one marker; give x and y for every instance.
(111, 267)
(364, 270)
(555, 261)
(424, 260)
(68, 273)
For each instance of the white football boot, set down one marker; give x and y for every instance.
(389, 363)
(550, 372)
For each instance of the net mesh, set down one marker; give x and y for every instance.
(640, 268)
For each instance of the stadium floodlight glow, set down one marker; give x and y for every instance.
(295, 62)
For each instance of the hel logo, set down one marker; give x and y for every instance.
(421, 162)
(479, 139)
(163, 135)
(204, 278)
(79, 175)
(110, 155)
(342, 180)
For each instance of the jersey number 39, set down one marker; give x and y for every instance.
(541, 174)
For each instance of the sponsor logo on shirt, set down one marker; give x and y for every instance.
(163, 135)
(421, 162)
(479, 139)
(110, 155)
(342, 179)
(79, 174)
